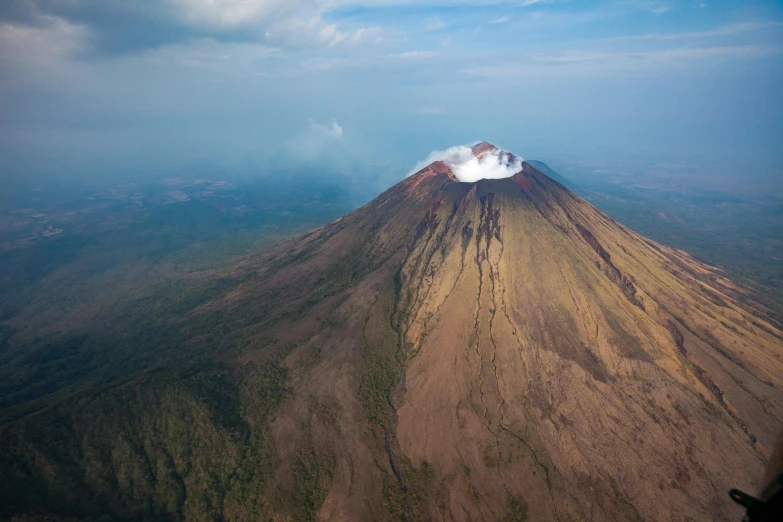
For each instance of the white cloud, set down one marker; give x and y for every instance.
(319, 143)
(232, 13)
(314, 32)
(334, 130)
(54, 39)
(41, 53)
(294, 23)
(238, 13)
(467, 168)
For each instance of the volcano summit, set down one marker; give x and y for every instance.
(481, 161)
(491, 349)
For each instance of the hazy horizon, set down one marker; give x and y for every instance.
(369, 88)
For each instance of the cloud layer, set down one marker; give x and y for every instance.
(468, 169)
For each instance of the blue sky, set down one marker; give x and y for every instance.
(100, 87)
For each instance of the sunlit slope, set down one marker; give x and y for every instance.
(558, 356)
(497, 350)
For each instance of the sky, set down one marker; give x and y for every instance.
(104, 88)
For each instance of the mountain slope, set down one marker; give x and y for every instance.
(545, 169)
(497, 350)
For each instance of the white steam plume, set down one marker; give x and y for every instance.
(467, 168)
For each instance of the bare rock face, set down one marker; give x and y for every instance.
(480, 149)
(501, 349)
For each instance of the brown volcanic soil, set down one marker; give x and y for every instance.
(502, 350)
(541, 358)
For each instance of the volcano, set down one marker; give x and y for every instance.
(523, 354)
(490, 350)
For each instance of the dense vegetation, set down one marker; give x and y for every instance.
(114, 400)
(173, 445)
